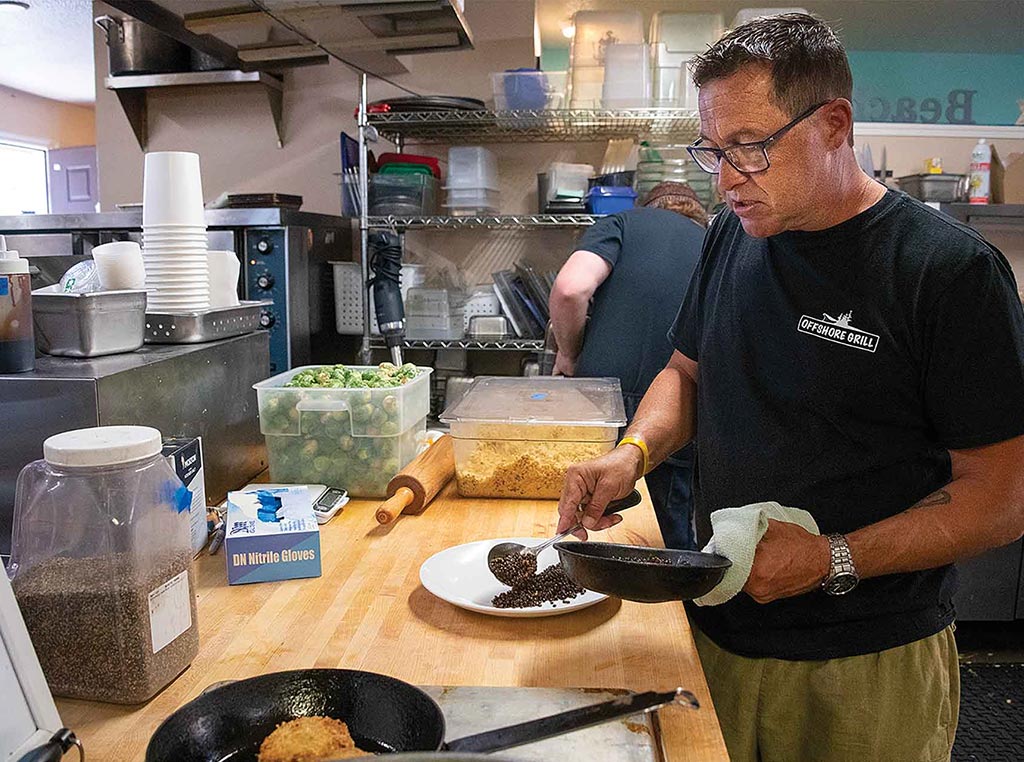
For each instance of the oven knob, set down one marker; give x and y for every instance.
(265, 281)
(267, 319)
(264, 246)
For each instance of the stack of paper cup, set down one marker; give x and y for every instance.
(174, 242)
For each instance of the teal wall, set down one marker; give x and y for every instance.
(943, 88)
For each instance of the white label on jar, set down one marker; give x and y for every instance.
(170, 610)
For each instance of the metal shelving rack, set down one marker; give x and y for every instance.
(570, 125)
(516, 345)
(485, 126)
(488, 222)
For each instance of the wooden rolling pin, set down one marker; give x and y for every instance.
(417, 484)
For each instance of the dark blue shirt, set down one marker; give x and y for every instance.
(653, 253)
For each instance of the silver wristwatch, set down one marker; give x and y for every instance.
(842, 575)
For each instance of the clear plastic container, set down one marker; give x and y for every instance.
(568, 181)
(516, 437)
(595, 31)
(685, 31)
(101, 564)
(627, 77)
(673, 86)
(405, 195)
(473, 198)
(472, 167)
(355, 438)
(529, 90)
(434, 314)
(749, 14)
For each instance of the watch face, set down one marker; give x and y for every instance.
(841, 583)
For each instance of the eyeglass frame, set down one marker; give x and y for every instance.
(720, 153)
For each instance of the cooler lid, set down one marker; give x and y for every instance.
(102, 446)
(540, 400)
(29, 718)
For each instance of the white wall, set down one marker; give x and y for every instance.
(52, 124)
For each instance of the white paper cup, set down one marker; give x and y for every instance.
(119, 265)
(224, 269)
(172, 192)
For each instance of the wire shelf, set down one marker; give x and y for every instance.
(518, 345)
(490, 222)
(679, 125)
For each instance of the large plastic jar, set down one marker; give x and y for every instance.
(101, 564)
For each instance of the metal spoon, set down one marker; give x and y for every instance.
(509, 574)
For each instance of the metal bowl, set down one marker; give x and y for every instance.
(647, 575)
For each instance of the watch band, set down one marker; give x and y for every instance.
(841, 564)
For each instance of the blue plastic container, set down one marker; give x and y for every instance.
(609, 199)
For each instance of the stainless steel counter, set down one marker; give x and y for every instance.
(182, 390)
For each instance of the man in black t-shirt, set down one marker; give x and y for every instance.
(631, 271)
(846, 350)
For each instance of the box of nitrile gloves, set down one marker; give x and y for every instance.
(185, 455)
(271, 534)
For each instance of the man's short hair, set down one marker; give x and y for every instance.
(807, 61)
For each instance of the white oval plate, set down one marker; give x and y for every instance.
(460, 576)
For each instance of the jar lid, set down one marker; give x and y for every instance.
(102, 446)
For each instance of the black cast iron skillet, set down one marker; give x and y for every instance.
(634, 573)
(384, 715)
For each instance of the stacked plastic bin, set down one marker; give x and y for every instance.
(627, 77)
(663, 162)
(596, 32)
(472, 182)
(675, 39)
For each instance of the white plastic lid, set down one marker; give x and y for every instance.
(10, 262)
(102, 446)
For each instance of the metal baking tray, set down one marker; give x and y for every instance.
(207, 325)
(90, 324)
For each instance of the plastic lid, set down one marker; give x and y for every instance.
(541, 400)
(612, 190)
(10, 262)
(102, 446)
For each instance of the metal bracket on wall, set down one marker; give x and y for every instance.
(131, 92)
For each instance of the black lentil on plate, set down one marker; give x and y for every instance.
(513, 568)
(550, 586)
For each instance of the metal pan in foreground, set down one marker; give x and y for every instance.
(646, 575)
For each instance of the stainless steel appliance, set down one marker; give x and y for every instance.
(182, 390)
(284, 254)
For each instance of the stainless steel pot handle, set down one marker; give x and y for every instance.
(106, 22)
(574, 719)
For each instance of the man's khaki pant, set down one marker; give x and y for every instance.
(900, 705)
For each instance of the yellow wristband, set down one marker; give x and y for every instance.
(642, 446)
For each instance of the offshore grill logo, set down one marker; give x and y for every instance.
(838, 330)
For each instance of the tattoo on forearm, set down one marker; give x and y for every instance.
(936, 498)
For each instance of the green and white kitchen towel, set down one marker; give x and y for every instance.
(735, 533)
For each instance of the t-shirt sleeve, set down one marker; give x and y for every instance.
(604, 238)
(974, 368)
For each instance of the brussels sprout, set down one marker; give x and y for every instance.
(309, 449)
(389, 429)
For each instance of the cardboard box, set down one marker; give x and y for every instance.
(271, 534)
(185, 456)
(1013, 179)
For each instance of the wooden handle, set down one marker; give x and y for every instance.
(424, 477)
(390, 508)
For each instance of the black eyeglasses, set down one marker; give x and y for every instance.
(745, 158)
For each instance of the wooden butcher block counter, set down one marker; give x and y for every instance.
(368, 611)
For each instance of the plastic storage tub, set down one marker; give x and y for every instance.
(516, 437)
(595, 31)
(627, 77)
(568, 181)
(406, 195)
(434, 314)
(604, 199)
(528, 90)
(354, 439)
(101, 564)
(472, 167)
(685, 31)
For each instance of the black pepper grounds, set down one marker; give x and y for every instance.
(513, 568)
(550, 586)
(89, 622)
(654, 560)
